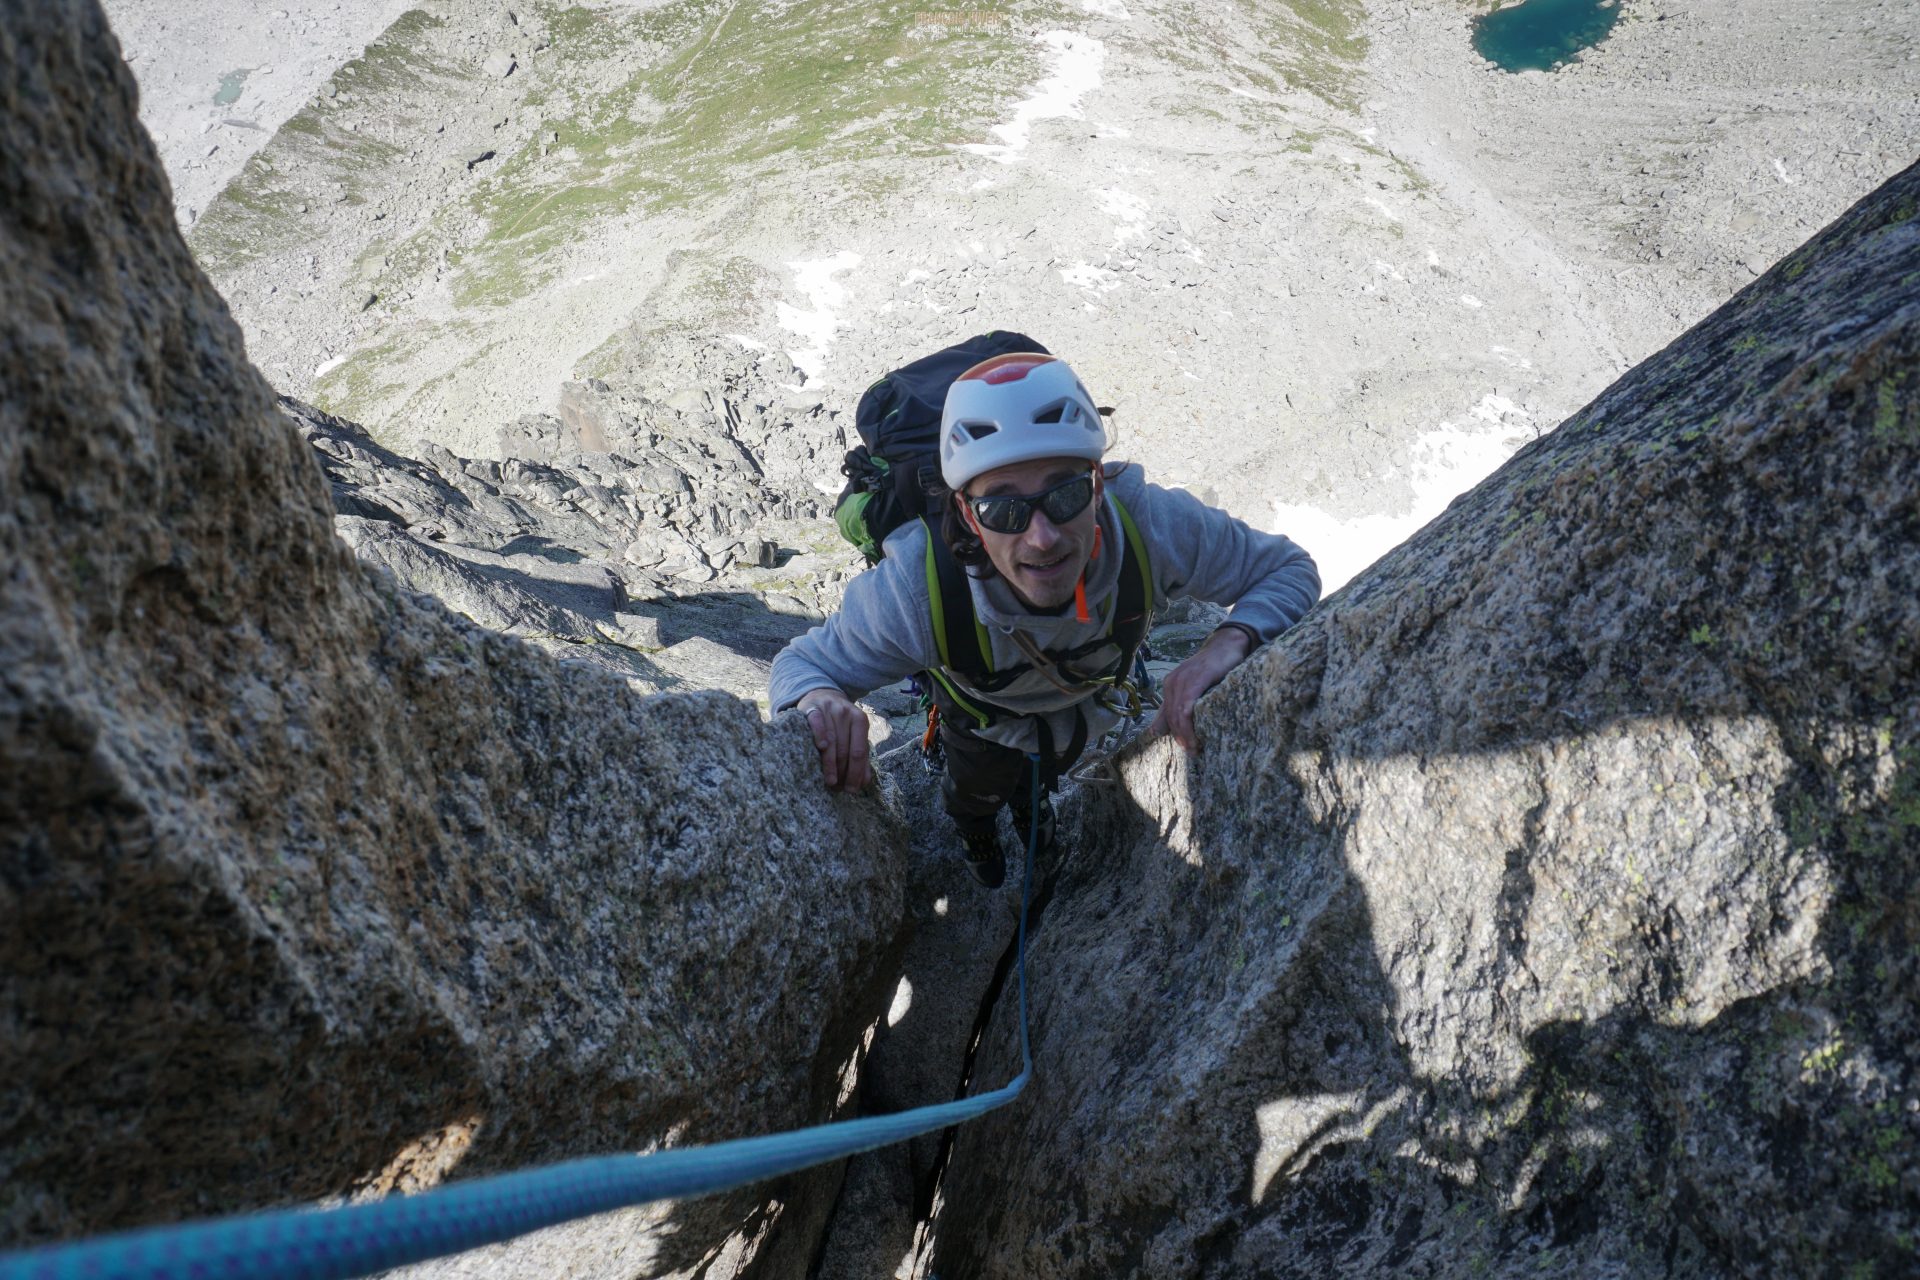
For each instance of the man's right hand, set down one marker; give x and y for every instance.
(840, 733)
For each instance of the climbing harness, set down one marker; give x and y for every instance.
(933, 755)
(1137, 695)
(966, 674)
(340, 1244)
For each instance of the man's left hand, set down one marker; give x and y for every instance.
(1224, 650)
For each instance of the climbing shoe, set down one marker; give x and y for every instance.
(985, 856)
(1023, 824)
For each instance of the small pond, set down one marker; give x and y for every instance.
(1539, 35)
(230, 85)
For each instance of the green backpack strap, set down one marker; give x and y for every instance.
(962, 637)
(1133, 607)
(967, 650)
(965, 647)
(1142, 580)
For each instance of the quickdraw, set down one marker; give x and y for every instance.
(1139, 695)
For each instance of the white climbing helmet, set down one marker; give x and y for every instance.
(1015, 408)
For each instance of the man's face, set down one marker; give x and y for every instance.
(1044, 561)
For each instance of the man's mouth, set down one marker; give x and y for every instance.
(1042, 568)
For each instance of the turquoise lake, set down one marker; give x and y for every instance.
(1540, 35)
(230, 84)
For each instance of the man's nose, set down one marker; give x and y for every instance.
(1040, 532)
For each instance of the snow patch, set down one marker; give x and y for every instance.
(1076, 73)
(1780, 169)
(1446, 463)
(1468, 300)
(1130, 209)
(1085, 275)
(327, 368)
(1107, 9)
(1122, 204)
(1385, 212)
(1495, 409)
(824, 295)
(743, 340)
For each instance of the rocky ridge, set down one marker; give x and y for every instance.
(312, 888)
(1544, 903)
(679, 537)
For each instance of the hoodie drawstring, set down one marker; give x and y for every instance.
(1080, 588)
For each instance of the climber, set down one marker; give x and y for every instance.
(1064, 558)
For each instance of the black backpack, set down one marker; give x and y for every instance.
(894, 476)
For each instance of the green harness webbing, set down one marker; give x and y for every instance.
(970, 656)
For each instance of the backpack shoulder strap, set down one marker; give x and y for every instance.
(967, 650)
(1135, 600)
(964, 645)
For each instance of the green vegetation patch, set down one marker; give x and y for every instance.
(714, 95)
(260, 212)
(364, 378)
(1314, 45)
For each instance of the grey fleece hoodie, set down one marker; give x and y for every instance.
(884, 629)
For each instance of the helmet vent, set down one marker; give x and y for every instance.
(978, 430)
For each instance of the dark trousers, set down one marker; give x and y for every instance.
(982, 776)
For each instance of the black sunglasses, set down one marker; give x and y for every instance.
(1012, 513)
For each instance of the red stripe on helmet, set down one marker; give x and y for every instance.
(1011, 367)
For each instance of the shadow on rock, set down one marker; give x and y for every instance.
(1543, 904)
(311, 888)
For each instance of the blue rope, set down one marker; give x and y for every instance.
(339, 1244)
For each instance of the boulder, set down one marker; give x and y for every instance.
(311, 888)
(1545, 903)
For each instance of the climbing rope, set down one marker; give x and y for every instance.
(339, 1244)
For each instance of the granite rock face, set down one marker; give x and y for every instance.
(631, 560)
(1544, 904)
(310, 887)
